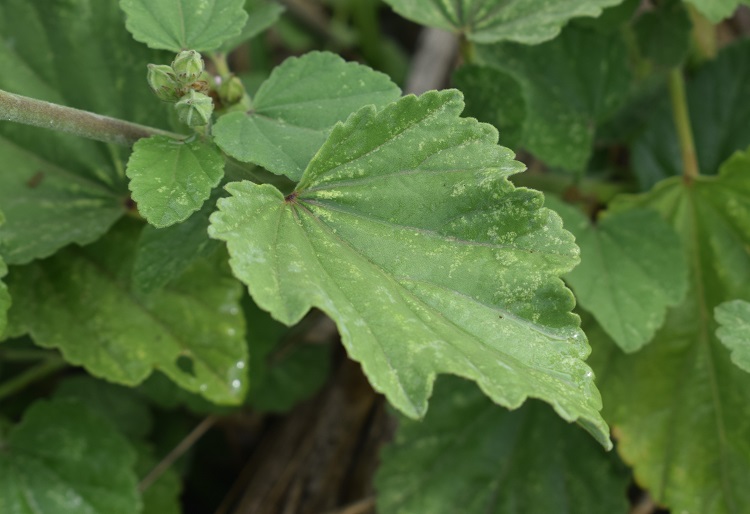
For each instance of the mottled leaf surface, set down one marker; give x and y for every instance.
(490, 21)
(177, 25)
(470, 456)
(295, 109)
(171, 179)
(80, 302)
(57, 189)
(632, 269)
(425, 255)
(63, 458)
(680, 406)
(261, 14)
(717, 101)
(734, 331)
(570, 85)
(717, 10)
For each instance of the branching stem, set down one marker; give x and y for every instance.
(682, 122)
(30, 111)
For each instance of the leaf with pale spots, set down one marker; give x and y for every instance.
(80, 302)
(296, 108)
(171, 179)
(406, 231)
(64, 458)
(177, 25)
(490, 21)
(734, 331)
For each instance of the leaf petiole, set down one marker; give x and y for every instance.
(682, 123)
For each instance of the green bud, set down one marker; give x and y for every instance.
(231, 91)
(194, 109)
(188, 66)
(163, 82)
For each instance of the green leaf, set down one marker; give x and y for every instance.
(4, 295)
(171, 179)
(717, 10)
(570, 85)
(57, 189)
(490, 21)
(79, 301)
(663, 34)
(494, 97)
(165, 254)
(261, 15)
(679, 406)
(63, 458)
(162, 496)
(472, 457)
(719, 121)
(734, 332)
(425, 256)
(177, 25)
(296, 108)
(632, 269)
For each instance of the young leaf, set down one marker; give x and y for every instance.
(470, 456)
(79, 301)
(632, 269)
(171, 179)
(718, 111)
(261, 14)
(177, 25)
(57, 189)
(405, 230)
(570, 85)
(490, 21)
(64, 458)
(680, 403)
(717, 10)
(295, 109)
(734, 332)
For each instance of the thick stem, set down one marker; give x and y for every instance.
(682, 123)
(31, 375)
(39, 113)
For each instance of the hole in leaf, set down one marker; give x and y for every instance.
(186, 365)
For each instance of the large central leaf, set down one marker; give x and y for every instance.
(405, 230)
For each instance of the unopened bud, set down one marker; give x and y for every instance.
(231, 91)
(195, 109)
(188, 66)
(163, 82)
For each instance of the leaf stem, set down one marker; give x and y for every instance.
(222, 66)
(177, 452)
(31, 375)
(682, 123)
(38, 113)
(468, 50)
(704, 35)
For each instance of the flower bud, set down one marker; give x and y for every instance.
(231, 91)
(194, 109)
(163, 82)
(188, 66)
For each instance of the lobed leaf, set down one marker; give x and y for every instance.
(178, 25)
(406, 231)
(632, 269)
(80, 302)
(171, 179)
(734, 331)
(472, 457)
(296, 108)
(489, 21)
(64, 458)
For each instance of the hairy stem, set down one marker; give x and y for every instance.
(682, 123)
(30, 111)
(31, 375)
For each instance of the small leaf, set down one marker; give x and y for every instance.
(295, 109)
(632, 269)
(177, 25)
(717, 10)
(470, 456)
(734, 332)
(80, 302)
(570, 85)
(490, 21)
(425, 255)
(63, 458)
(261, 15)
(171, 179)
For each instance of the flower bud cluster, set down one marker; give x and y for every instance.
(184, 84)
